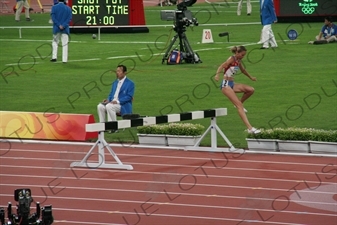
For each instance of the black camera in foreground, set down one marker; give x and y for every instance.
(23, 216)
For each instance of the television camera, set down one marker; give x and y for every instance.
(23, 217)
(182, 18)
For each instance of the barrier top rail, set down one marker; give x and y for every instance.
(120, 124)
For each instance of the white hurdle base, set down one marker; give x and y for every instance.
(213, 128)
(101, 144)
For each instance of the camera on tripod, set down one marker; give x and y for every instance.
(182, 18)
(23, 217)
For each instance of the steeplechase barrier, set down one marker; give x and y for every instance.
(145, 121)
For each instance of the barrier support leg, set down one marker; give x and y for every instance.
(213, 128)
(101, 144)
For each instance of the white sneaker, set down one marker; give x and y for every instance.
(243, 109)
(310, 42)
(253, 131)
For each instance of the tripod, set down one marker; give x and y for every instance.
(185, 47)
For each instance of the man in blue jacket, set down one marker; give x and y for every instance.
(61, 16)
(119, 99)
(268, 17)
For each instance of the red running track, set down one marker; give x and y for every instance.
(173, 187)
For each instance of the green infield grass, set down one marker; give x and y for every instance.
(296, 83)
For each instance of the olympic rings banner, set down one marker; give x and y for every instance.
(306, 8)
(50, 126)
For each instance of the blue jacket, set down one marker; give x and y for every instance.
(329, 31)
(125, 95)
(267, 12)
(61, 15)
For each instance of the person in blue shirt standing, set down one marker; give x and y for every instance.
(61, 16)
(268, 17)
(327, 34)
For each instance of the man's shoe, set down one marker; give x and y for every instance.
(130, 116)
(28, 19)
(253, 131)
(53, 60)
(248, 14)
(264, 48)
(310, 42)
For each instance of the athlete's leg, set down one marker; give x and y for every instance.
(229, 92)
(245, 89)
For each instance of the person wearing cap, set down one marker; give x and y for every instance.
(328, 33)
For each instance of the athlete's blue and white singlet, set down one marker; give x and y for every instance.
(230, 72)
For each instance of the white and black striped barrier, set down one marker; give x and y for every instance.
(144, 121)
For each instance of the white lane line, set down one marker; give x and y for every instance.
(158, 182)
(174, 193)
(174, 204)
(209, 174)
(173, 157)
